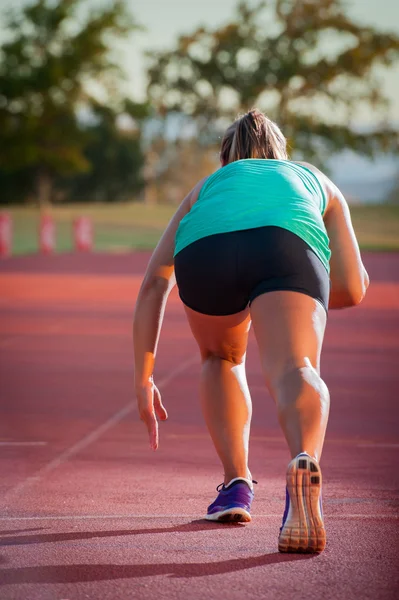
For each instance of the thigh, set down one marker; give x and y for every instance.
(289, 329)
(225, 337)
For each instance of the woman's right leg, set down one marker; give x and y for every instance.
(289, 329)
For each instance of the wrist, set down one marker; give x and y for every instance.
(143, 383)
(143, 371)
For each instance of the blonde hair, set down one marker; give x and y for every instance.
(253, 135)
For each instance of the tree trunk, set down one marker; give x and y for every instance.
(44, 187)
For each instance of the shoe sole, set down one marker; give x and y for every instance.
(231, 515)
(303, 530)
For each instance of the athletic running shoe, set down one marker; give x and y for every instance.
(302, 529)
(233, 502)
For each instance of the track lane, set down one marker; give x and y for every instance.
(116, 520)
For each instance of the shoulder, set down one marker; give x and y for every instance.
(310, 167)
(204, 184)
(195, 192)
(331, 191)
(322, 177)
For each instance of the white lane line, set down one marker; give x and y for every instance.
(181, 516)
(23, 443)
(93, 436)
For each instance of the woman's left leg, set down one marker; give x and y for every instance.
(225, 398)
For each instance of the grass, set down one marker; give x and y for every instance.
(377, 226)
(116, 227)
(134, 226)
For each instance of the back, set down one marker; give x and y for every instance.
(251, 193)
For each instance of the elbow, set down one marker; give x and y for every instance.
(358, 294)
(349, 291)
(366, 280)
(150, 299)
(154, 284)
(153, 291)
(348, 297)
(355, 296)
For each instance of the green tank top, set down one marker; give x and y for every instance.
(251, 193)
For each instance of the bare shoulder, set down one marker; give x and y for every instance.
(333, 194)
(322, 176)
(308, 165)
(195, 192)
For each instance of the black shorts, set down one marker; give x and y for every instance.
(222, 274)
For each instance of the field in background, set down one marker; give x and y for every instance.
(134, 226)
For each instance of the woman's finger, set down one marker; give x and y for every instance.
(159, 407)
(153, 433)
(148, 416)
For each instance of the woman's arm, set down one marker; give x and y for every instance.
(148, 316)
(349, 278)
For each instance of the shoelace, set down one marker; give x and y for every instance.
(221, 486)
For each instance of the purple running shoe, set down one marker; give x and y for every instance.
(233, 502)
(302, 529)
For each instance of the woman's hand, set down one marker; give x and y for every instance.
(150, 406)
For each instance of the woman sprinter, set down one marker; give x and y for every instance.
(268, 241)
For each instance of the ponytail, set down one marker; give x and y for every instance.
(253, 135)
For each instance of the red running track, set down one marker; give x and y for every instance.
(88, 511)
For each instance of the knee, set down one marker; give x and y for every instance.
(301, 383)
(217, 360)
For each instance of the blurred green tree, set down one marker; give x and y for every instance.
(114, 151)
(304, 62)
(48, 64)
